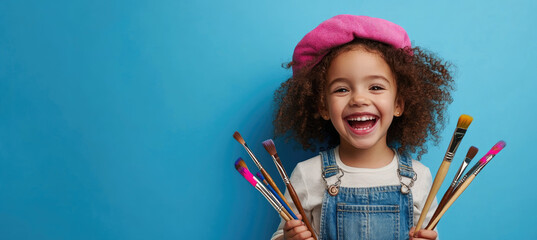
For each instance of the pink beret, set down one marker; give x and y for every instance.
(342, 29)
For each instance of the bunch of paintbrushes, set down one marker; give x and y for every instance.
(458, 184)
(460, 131)
(270, 195)
(266, 186)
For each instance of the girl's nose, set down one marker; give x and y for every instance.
(359, 100)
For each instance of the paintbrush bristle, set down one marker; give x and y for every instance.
(239, 138)
(471, 152)
(498, 146)
(270, 147)
(248, 175)
(464, 121)
(240, 163)
(493, 151)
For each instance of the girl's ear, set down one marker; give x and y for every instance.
(323, 110)
(324, 115)
(399, 107)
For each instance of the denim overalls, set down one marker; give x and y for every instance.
(383, 212)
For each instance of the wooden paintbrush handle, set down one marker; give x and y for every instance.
(456, 195)
(298, 205)
(442, 203)
(273, 185)
(438, 179)
(284, 215)
(287, 214)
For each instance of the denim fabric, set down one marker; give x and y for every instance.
(367, 213)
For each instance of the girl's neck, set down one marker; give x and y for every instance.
(377, 156)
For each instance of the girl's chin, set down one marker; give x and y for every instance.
(362, 145)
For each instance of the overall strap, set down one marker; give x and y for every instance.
(405, 170)
(328, 159)
(405, 166)
(330, 169)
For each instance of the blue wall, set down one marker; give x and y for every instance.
(116, 117)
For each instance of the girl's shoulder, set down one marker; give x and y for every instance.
(424, 178)
(311, 164)
(419, 167)
(307, 176)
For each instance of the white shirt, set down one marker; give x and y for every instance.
(310, 187)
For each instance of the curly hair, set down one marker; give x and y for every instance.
(423, 82)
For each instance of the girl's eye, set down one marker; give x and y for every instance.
(341, 90)
(376, 88)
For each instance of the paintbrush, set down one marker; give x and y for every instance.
(239, 139)
(263, 190)
(271, 149)
(449, 192)
(262, 179)
(460, 131)
(483, 161)
(466, 180)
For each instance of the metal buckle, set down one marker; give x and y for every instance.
(405, 188)
(333, 189)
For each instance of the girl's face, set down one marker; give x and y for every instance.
(361, 98)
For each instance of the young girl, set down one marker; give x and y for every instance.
(361, 89)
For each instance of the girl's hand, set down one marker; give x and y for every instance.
(296, 230)
(423, 234)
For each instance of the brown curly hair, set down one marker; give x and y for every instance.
(423, 82)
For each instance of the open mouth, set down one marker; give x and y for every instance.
(362, 123)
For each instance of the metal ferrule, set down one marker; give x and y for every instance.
(454, 144)
(461, 181)
(476, 168)
(282, 172)
(270, 198)
(459, 172)
(470, 172)
(489, 157)
(257, 163)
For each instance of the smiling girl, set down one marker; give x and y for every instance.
(360, 89)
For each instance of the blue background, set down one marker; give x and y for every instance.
(116, 117)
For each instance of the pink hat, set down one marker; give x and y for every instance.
(342, 29)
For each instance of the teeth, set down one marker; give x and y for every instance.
(362, 118)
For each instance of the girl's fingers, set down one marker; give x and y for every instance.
(411, 232)
(304, 235)
(296, 229)
(291, 224)
(300, 231)
(427, 234)
(422, 234)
